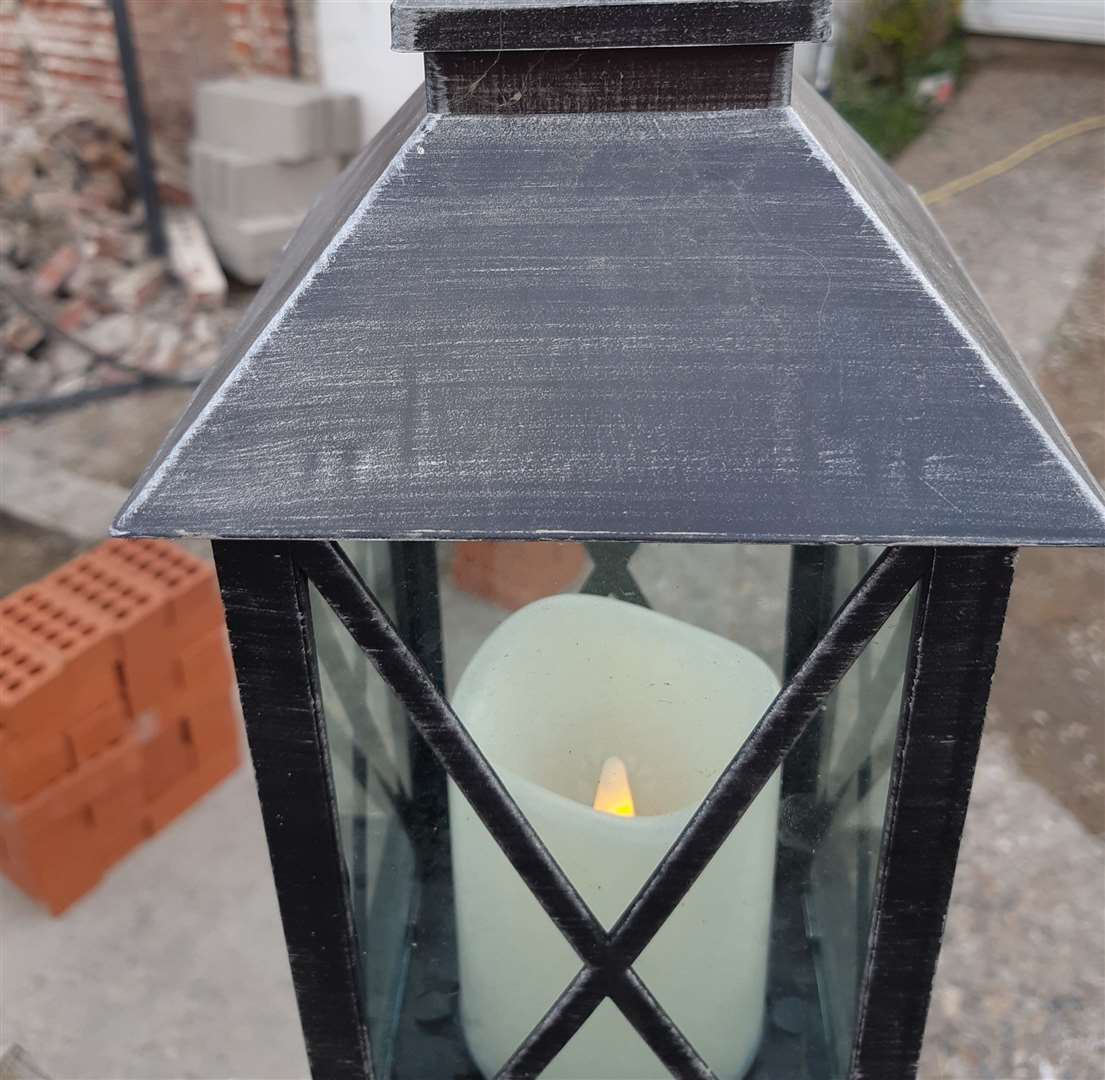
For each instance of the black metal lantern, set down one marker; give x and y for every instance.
(615, 286)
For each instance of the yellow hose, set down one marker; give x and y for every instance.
(955, 187)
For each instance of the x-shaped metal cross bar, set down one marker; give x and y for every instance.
(610, 575)
(608, 956)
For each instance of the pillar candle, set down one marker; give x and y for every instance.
(555, 692)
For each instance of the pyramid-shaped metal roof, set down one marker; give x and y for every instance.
(732, 325)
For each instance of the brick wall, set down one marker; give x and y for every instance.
(59, 52)
(56, 51)
(258, 35)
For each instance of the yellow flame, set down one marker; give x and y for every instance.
(613, 794)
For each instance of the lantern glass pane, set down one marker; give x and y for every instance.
(368, 737)
(858, 739)
(608, 686)
(635, 670)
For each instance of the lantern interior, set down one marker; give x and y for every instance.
(663, 656)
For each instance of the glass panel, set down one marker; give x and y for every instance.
(370, 761)
(835, 791)
(663, 661)
(860, 732)
(738, 591)
(560, 691)
(622, 677)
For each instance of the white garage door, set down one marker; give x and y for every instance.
(1064, 20)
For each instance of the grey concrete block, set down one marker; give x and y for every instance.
(345, 120)
(249, 247)
(230, 183)
(275, 119)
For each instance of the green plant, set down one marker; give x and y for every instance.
(888, 46)
(887, 40)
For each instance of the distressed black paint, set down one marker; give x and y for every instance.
(959, 620)
(418, 619)
(351, 600)
(610, 956)
(809, 610)
(609, 297)
(963, 596)
(869, 606)
(626, 325)
(269, 618)
(686, 79)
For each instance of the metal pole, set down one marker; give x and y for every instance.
(147, 181)
(295, 63)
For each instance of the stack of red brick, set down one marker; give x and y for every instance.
(117, 711)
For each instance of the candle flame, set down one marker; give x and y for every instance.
(613, 794)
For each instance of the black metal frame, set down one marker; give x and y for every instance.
(963, 598)
(268, 613)
(959, 620)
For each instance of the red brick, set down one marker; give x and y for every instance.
(85, 642)
(74, 315)
(21, 333)
(32, 695)
(205, 665)
(122, 806)
(167, 758)
(73, 795)
(198, 783)
(68, 48)
(64, 881)
(56, 864)
(97, 730)
(116, 843)
(138, 611)
(513, 573)
(188, 582)
(53, 273)
(30, 764)
(212, 725)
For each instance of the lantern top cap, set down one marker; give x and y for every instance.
(496, 25)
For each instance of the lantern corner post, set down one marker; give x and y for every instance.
(418, 617)
(810, 596)
(268, 617)
(958, 624)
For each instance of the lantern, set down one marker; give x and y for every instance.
(693, 807)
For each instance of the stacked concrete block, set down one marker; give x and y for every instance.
(117, 711)
(264, 148)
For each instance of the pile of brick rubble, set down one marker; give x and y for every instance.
(83, 306)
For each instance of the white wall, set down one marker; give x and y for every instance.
(1064, 20)
(354, 51)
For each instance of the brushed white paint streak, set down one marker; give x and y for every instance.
(1062, 448)
(242, 369)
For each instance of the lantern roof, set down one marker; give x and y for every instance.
(728, 324)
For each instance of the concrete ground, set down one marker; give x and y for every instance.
(174, 967)
(1021, 985)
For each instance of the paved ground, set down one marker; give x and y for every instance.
(174, 967)
(1025, 237)
(1021, 985)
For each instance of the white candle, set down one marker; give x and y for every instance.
(558, 690)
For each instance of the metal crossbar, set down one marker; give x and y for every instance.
(608, 957)
(610, 574)
(353, 602)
